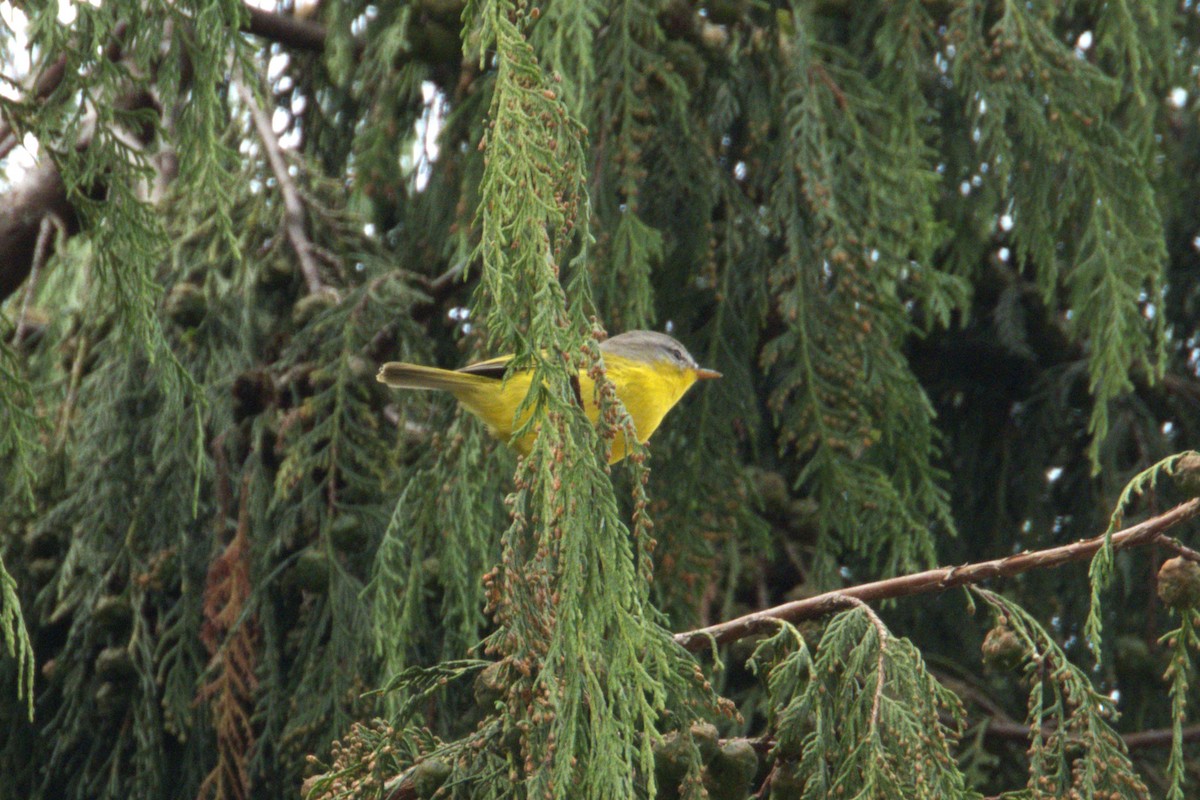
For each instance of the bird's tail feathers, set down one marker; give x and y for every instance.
(414, 376)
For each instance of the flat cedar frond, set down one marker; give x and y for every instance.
(18, 445)
(1074, 749)
(860, 716)
(102, 154)
(845, 397)
(16, 637)
(19, 426)
(230, 633)
(331, 438)
(1028, 88)
(566, 40)
(1183, 642)
(637, 94)
(432, 554)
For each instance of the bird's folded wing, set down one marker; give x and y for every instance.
(492, 368)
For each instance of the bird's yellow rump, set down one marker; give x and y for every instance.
(649, 370)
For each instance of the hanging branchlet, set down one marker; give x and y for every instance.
(433, 555)
(19, 425)
(1183, 642)
(637, 86)
(845, 396)
(859, 717)
(1092, 233)
(16, 637)
(231, 636)
(564, 38)
(102, 151)
(1074, 750)
(1100, 572)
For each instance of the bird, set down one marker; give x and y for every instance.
(650, 371)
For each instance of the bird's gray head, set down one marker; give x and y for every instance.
(654, 346)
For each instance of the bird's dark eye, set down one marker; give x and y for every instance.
(677, 354)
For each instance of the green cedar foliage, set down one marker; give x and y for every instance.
(944, 255)
(1093, 139)
(844, 391)
(1100, 573)
(860, 717)
(1074, 749)
(1183, 642)
(16, 637)
(18, 447)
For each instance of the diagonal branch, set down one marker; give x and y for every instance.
(288, 29)
(939, 580)
(293, 205)
(50, 225)
(1177, 547)
(40, 195)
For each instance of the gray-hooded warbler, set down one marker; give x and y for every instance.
(650, 372)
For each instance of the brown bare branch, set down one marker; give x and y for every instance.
(1178, 547)
(293, 206)
(302, 34)
(1159, 737)
(41, 194)
(935, 580)
(51, 225)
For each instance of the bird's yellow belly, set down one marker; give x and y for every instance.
(645, 396)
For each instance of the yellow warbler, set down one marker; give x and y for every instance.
(649, 370)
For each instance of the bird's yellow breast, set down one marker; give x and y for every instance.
(647, 390)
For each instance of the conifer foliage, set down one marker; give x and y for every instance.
(945, 255)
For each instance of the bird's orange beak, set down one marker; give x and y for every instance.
(706, 374)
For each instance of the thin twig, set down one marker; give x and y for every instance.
(765, 786)
(882, 632)
(934, 580)
(440, 284)
(81, 350)
(834, 89)
(1177, 547)
(1159, 737)
(293, 206)
(41, 251)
